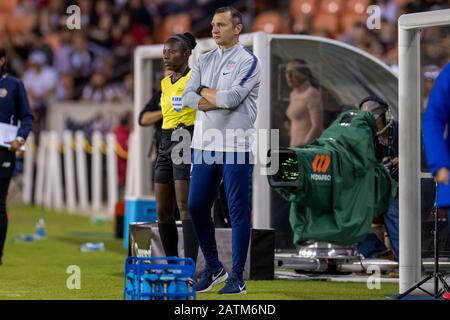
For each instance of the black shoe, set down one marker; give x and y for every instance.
(209, 278)
(233, 286)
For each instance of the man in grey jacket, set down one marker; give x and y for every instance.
(223, 87)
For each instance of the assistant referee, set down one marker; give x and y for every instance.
(172, 178)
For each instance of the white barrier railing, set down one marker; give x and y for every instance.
(64, 158)
(69, 172)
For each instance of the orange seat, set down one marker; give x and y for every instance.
(326, 22)
(8, 6)
(348, 20)
(356, 7)
(302, 12)
(331, 6)
(302, 7)
(178, 23)
(21, 24)
(3, 21)
(269, 22)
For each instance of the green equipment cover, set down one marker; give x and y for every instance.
(335, 185)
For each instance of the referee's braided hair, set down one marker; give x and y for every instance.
(187, 41)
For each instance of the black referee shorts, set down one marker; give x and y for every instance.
(165, 170)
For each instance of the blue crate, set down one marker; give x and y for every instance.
(159, 278)
(137, 210)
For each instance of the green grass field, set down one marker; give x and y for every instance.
(37, 270)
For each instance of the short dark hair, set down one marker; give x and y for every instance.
(236, 16)
(382, 107)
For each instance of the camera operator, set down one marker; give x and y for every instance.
(386, 148)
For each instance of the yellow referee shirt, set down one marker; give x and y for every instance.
(172, 109)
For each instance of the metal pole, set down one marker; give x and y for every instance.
(261, 188)
(409, 26)
(142, 90)
(138, 102)
(409, 145)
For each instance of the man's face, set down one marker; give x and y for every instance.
(223, 31)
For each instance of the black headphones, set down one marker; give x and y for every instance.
(385, 109)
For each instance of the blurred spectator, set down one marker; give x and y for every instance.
(64, 87)
(388, 10)
(101, 33)
(430, 74)
(363, 38)
(104, 123)
(38, 44)
(305, 110)
(98, 90)
(81, 60)
(113, 28)
(64, 51)
(55, 12)
(85, 9)
(355, 36)
(387, 35)
(141, 23)
(122, 133)
(40, 81)
(125, 88)
(391, 58)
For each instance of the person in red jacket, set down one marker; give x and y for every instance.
(122, 132)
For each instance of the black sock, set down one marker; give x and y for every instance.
(190, 240)
(169, 237)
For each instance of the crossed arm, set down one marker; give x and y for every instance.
(208, 100)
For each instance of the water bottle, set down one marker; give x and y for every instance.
(24, 238)
(88, 247)
(182, 288)
(129, 289)
(166, 280)
(150, 287)
(40, 229)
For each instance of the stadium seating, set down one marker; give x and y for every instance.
(355, 11)
(327, 18)
(22, 24)
(302, 12)
(269, 22)
(8, 6)
(173, 24)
